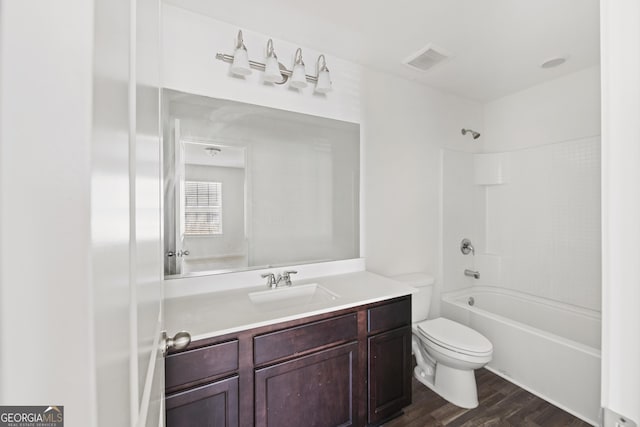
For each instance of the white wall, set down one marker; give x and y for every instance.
(563, 109)
(405, 126)
(620, 37)
(541, 228)
(46, 309)
(291, 210)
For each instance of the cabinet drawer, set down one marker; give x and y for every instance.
(300, 339)
(389, 316)
(201, 364)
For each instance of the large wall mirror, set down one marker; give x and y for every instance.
(250, 187)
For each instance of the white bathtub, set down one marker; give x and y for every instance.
(549, 348)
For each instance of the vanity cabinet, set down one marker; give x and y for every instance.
(312, 390)
(389, 350)
(318, 375)
(345, 368)
(202, 386)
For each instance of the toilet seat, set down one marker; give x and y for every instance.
(455, 337)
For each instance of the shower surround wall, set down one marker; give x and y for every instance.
(539, 231)
(542, 232)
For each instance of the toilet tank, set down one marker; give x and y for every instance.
(420, 301)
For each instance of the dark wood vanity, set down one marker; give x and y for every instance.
(349, 367)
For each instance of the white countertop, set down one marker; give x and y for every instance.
(220, 313)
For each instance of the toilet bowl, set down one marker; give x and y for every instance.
(447, 352)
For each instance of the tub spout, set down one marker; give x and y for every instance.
(472, 273)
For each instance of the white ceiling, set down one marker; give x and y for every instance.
(497, 45)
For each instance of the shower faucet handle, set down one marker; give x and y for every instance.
(466, 247)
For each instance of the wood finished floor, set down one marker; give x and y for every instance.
(502, 404)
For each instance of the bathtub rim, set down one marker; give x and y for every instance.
(454, 298)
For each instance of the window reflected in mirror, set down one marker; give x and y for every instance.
(202, 208)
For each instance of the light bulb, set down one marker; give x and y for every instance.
(240, 65)
(299, 74)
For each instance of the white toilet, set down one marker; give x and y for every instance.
(446, 352)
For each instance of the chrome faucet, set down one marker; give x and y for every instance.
(286, 276)
(274, 282)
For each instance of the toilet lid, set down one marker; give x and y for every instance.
(454, 336)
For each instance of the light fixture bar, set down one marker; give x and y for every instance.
(261, 67)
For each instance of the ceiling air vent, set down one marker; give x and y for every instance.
(426, 58)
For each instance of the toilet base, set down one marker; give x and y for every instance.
(454, 385)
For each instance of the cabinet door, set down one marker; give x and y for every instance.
(318, 390)
(389, 373)
(211, 405)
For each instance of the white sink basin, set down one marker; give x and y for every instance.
(296, 295)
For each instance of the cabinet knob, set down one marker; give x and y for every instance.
(179, 341)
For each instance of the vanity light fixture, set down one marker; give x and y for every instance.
(240, 65)
(298, 77)
(272, 66)
(274, 71)
(323, 85)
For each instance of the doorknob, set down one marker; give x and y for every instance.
(181, 253)
(179, 341)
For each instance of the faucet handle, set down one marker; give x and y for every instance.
(286, 276)
(271, 279)
(466, 247)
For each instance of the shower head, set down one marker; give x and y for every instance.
(474, 134)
